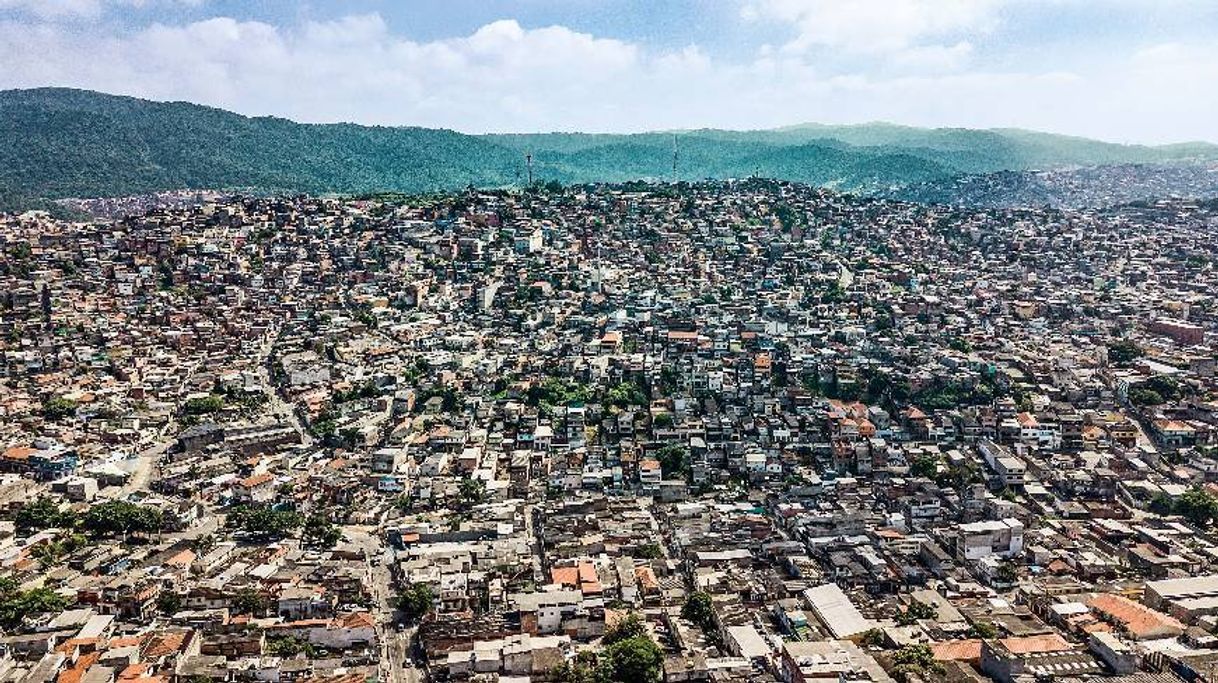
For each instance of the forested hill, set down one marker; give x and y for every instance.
(75, 143)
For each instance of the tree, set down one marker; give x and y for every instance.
(787, 217)
(169, 602)
(924, 466)
(249, 600)
(1124, 352)
(43, 513)
(204, 544)
(1197, 506)
(700, 609)
(960, 344)
(956, 477)
(983, 630)
(582, 669)
(203, 406)
(121, 517)
(417, 601)
(873, 637)
(630, 626)
(674, 460)
(15, 604)
(471, 492)
(917, 611)
(557, 391)
(263, 521)
(1155, 391)
(915, 661)
(649, 551)
(289, 646)
(49, 554)
(318, 531)
(1007, 572)
(1162, 504)
(58, 408)
(1141, 396)
(634, 660)
(625, 394)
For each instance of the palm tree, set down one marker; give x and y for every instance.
(48, 554)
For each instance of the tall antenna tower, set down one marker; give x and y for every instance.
(674, 157)
(528, 159)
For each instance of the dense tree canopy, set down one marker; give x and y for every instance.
(263, 521)
(120, 517)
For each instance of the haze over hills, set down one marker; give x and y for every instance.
(76, 143)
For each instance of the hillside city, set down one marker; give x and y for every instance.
(722, 431)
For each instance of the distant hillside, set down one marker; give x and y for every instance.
(1091, 186)
(75, 143)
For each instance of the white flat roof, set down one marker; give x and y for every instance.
(834, 609)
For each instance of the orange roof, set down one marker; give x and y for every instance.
(1139, 620)
(337, 678)
(133, 671)
(565, 576)
(1096, 627)
(299, 623)
(182, 559)
(646, 577)
(1173, 426)
(256, 480)
(355, 620)
(19, 453)
(162, 644)
(1050, 642)
(1058, 566)
(72, 643)
(74, 673)
(957, 650)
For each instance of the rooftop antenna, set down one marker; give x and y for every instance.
(528, 158)
(674, 157)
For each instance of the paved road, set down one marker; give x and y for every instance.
(395, 666)
(282, 411)
(145, 464)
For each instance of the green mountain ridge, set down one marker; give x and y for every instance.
(78, 143)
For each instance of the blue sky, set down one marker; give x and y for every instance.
(1124, 70)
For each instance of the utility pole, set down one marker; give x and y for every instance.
(528, 158)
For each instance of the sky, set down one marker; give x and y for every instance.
(1122, 70)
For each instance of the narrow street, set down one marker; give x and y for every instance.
(396, 665)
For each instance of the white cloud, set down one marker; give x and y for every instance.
(873, 26)
(507, 77)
